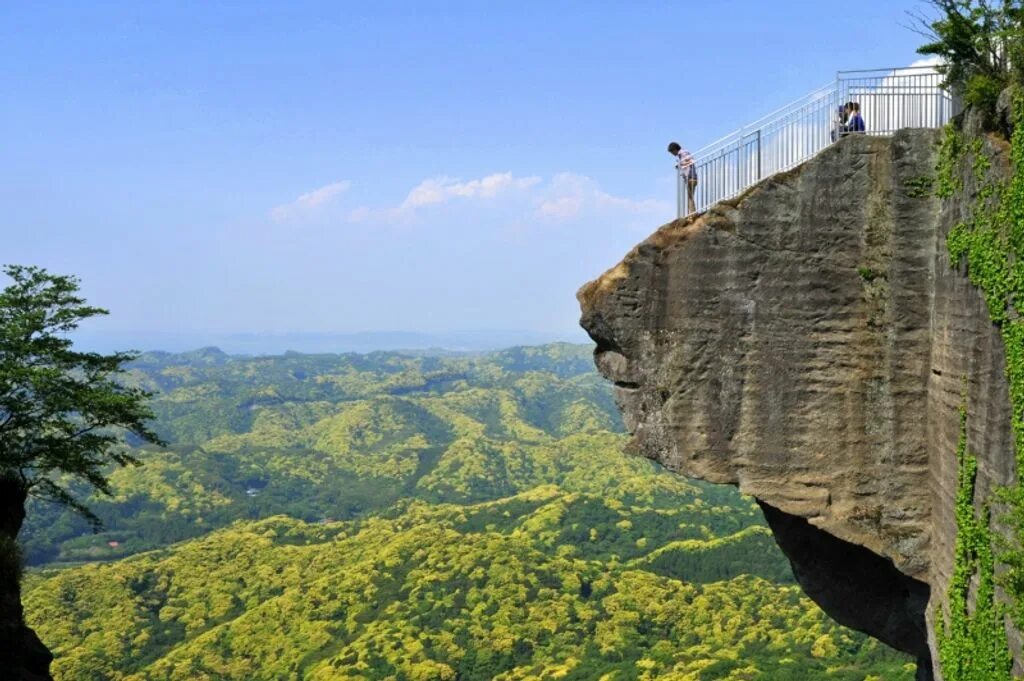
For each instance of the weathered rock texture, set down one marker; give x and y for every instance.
(811, 343)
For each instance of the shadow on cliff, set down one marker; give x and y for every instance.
(856, 587)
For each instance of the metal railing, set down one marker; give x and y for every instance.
(889, 99)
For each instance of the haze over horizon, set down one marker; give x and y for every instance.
(226, 171)
(459, 340)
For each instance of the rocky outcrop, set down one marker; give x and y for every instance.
(23, 657)
(811, 343)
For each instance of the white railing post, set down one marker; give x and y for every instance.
(757, 178)
(739, 161)
(679, 192)
(834, 111)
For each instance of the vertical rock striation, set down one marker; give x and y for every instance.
(810, 342)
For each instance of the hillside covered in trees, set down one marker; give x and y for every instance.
(388, 516)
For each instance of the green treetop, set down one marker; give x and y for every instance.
(980, 43)
(63, 415)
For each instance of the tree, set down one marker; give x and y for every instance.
(63, 414)
(980, 43)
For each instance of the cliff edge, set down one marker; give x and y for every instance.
(23, 657)
(811, 342)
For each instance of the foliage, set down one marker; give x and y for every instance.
(991, 242)
(982, 92)
(919, 187)
(341, 436)
(434, 592)
(62, 412)
(973, 647)
(950, 153)
(867, 273)
(979, 42)
(456, 517)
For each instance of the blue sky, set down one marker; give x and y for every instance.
(214, 167)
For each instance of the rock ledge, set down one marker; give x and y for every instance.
(810, 342)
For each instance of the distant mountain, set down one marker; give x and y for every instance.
(338, 436)
(368, 341)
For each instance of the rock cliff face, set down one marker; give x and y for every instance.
(811, 343)
(23, 657)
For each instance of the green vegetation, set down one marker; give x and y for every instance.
(919, 187)
(394, 517)
(867, 273)
(337, 437)
(486, 591)
(981, 45)
(973, 647)
(64, 420)
(62, 412)
(973, 644)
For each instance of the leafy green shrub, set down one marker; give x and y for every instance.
(980, 43)
(982, 93)
(866, 273)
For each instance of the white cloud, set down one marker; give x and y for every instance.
(436, 191)
(359, 214)
(525, 200)
(640, 207)
(933, 60)
(443, 189)
(561, 208)
(310, 201)
(569, 195)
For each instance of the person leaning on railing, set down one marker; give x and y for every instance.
(687, 169)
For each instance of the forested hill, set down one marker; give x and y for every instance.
(387, 516)
(336, 436)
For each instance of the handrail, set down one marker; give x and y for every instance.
(927, 68)
(889, 99)
(736, 133)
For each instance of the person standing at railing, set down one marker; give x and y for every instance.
(687, 170)
(852, 120)
(839, 125)
(856, 121)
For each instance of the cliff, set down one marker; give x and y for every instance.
(812, 343)
(23, 657)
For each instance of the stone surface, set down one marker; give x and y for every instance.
(857, 587)
(810, 342)
(23, 657)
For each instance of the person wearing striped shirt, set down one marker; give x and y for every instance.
(687, 169)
